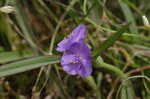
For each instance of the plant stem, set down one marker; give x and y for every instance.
(112, 68)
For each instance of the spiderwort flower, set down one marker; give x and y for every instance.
(77, 55)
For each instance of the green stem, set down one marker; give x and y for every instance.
(84, 7)
(112, 68)
(91, 82)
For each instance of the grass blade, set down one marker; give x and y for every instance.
(14, 55)
(127, 91)
(24, 25)
(27, 64)
(129, 17)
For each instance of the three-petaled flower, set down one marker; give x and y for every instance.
(77, 55)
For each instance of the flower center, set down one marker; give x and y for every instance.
(76, 60)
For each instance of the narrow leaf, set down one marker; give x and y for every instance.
(129, 17)
(14, 55)
(127, 91)
(27, 64)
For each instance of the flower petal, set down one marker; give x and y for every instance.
(86, 69)
(67, 59)
(71, 69)
(81, 49)
(63, 45)
(78, 33)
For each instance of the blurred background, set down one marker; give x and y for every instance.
(118, 31)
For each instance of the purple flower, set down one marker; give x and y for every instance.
(77, 60)
(77, 56)
(78, 34)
